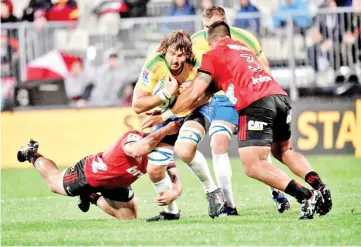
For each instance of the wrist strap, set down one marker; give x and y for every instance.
(164, 95)
(167, 114)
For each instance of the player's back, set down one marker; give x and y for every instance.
(113, 168)
(236, 70)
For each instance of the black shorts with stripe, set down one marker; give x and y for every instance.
(265, 121)
(75, 184)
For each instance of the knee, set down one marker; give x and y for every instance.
(279, 149)
(250, 170)
(52, 187)
(186, 154)
(156, 173)
(219, 144)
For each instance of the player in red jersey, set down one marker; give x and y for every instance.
(111, 172)
(264, 118)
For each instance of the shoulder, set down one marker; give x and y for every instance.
(198, 35)
(246, 37)
(132, 136)
(154, 61)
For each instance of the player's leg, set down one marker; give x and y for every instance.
(46, 167)
(158, 161)
(255, 137)
(119, 203)
(191, 133)
(221, 133)
(296, 162)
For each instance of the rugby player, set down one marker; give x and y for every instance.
(174, 58)
(111, 173)
(264, 118)
(225, 119)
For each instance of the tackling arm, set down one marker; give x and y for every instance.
(147, 144)
(174, 176)
(190, 96)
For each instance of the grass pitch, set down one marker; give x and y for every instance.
(31, 215)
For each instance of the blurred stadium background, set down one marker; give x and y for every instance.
(68, 69)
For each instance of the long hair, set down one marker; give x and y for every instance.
(179, 40)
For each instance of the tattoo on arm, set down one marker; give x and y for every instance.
(203, 76)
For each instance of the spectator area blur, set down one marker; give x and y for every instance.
(94, 50)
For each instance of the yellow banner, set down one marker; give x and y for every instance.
(65, 136)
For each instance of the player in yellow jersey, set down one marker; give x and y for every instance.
(174, 58)
(225, 118)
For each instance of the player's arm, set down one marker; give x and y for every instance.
(191, 95)
(169, 196)
(143, 98)
(135, 148)
(173, 173)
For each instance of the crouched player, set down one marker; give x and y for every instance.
(110, 173)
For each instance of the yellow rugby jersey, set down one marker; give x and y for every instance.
(156, 69)
(200, 44)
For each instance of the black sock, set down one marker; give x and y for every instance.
(298, 191)
(33, 157)
(314, 180)
(93, 198)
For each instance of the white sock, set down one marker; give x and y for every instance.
(269, 159)
(223, 171)
(200, 168)
(166, 184)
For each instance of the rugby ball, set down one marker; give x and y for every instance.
(167, 103)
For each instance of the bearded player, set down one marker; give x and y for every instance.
(264, 118)
(111, 173)
(225, 118)
(174, 58)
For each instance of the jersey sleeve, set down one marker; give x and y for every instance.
(207, 64)
(150, 74)
(131, 136)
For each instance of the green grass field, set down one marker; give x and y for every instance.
(31, 215)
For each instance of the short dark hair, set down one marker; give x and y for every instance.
(208, 13)
(219, 28)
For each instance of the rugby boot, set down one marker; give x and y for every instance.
(215, 202)
(84, 202)
(27, 151)
(165, 216)
(326, 206)
(281, 201)
(311, 205)
(229, 211)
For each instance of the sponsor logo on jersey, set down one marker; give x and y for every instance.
(133, 138)
(261, 79)
(145, 76)
(135, 172)
(256, 125)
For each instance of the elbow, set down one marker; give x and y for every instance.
(137, 108)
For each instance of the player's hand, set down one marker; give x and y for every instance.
(172, 127)
(166, 197)
(152, 121)
(184, 86)
(171, 85)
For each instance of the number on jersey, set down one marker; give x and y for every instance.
(230, 94)
(98, 165)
